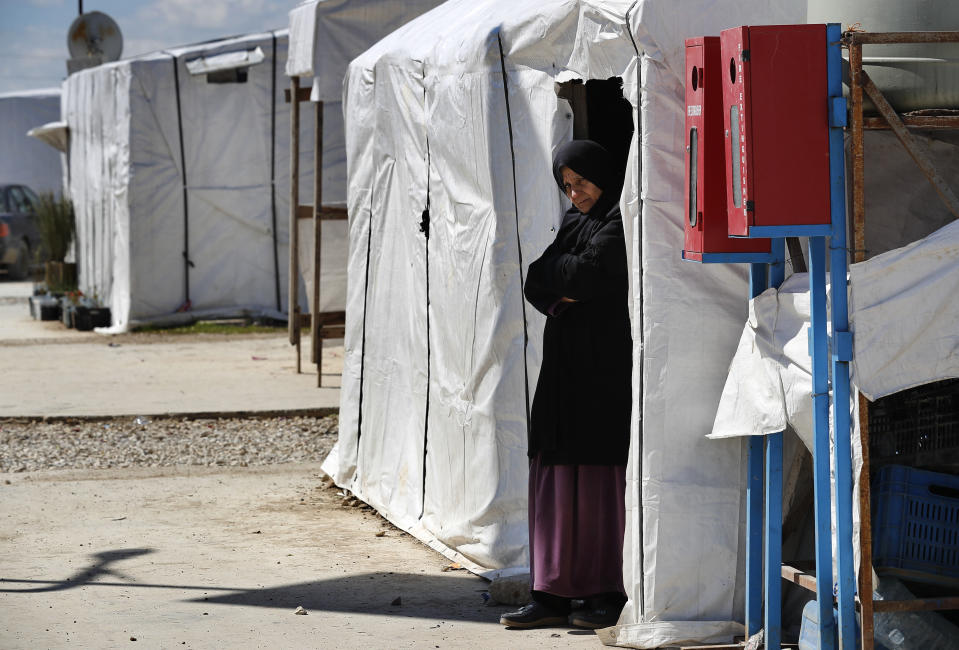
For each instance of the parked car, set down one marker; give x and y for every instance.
(19, 236)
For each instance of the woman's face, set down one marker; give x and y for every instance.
(580, 191)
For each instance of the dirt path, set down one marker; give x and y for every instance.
(201, 558)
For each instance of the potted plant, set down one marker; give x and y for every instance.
(57, 227)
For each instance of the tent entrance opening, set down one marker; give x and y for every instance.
(600, 113)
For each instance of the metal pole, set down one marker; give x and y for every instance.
(773, 547)
(819, 351)
(754, 499)
(842, 342)
(773, 533)
(858, 255)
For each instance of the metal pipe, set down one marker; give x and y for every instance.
(858, 211)
(773, 547)
(819, 351)
(754, 498)
(842, 345)
(887, 38)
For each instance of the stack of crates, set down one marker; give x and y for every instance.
(916, 511)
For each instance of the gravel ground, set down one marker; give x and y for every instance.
(27, 446)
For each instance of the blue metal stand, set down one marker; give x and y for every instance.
(773, 530)
(819, 350)
(754, 499)
(766, 533)
(841, 343)
(773, 546)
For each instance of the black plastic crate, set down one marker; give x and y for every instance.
(917, 427)
(86, 318)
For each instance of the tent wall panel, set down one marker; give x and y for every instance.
(25, 160)
(395, 371)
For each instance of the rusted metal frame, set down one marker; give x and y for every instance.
(888, 38)
(316, 333)
(292, 305)
(915, 150)
(917, 605)
(914, 121)
(859, 254)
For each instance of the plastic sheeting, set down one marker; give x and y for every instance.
(155, 238)
(905, 311)
(442, 353)
(903, 314)
(24, 160)
(325, 35)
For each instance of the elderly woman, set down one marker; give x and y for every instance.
(579, 430)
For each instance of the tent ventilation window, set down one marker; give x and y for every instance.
(234, 76)
(227, 67)
(600, 113)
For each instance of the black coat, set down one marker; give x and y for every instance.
(581, 407)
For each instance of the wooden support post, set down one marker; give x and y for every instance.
(316, 333)
(293, 307)
(867, 635)
(915, 150)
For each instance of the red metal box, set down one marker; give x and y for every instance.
(775, 109)
(705, 219)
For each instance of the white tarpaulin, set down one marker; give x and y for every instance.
(324, 35)
(456, 112)
(180, 180)
(24, 160)
(903, 315)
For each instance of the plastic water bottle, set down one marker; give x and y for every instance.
(911, 630)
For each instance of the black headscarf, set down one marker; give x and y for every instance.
(593, 162)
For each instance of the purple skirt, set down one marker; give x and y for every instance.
(577, 518)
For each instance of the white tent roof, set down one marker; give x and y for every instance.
(325, 35)
(25, 160)
(438, 368)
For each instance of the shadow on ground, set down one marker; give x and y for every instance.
(448, 596)
(444, 597)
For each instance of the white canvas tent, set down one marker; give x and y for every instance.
(325, 35)
(25, 160)
(179, 174)
(456, 113)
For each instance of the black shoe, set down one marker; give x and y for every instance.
(532, 615)
(594, 619)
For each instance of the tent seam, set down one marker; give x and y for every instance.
(519, 245)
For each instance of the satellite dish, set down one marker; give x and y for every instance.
(95, 35)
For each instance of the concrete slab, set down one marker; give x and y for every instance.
(49, 370)
(100, 377)
(200, 558)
